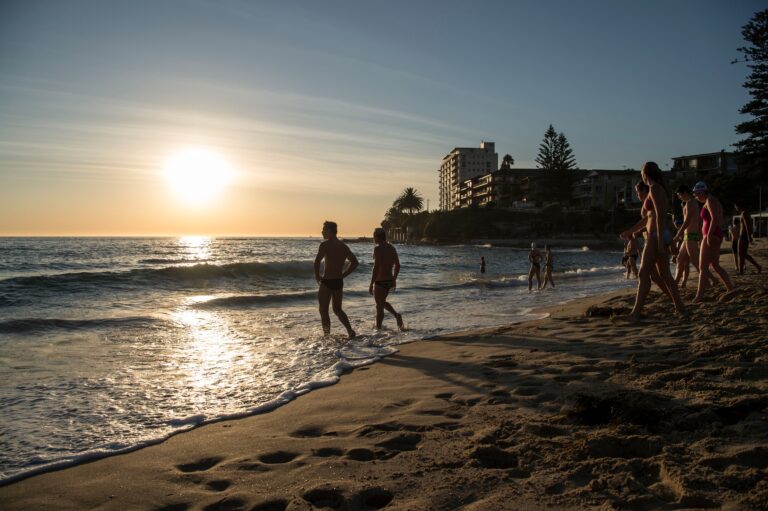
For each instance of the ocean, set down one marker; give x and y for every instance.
(111, 344)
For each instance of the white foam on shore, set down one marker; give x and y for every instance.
(324, 379)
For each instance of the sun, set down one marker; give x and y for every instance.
(197, 174)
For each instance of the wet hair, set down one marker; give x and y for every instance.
(652, 170)
(331, 226)
(642, 187)
(682, 189)
(380, 234)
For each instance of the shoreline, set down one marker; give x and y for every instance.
(461, 413)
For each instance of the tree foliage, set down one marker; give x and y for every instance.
(753, 150)
(409, 201)
(507, 161)
(557, 159)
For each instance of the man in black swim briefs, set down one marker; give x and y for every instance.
(335, 253)
(386, 267)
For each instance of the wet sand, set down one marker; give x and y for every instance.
(568, 412)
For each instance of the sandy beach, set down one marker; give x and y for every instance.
(568, 412)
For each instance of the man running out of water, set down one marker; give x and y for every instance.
(335, 253)
(386, 266)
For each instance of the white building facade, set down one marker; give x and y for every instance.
(461, 164)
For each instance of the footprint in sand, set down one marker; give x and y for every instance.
(328, 452)
(271, 505)
(325, 497)
(278, 457)
(200, 465)
(219, 485)
(226, 504)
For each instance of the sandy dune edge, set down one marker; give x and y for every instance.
(569, 412)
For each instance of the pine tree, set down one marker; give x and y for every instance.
(547, 150)
(564, 159)
(753, 150)
(556, 157)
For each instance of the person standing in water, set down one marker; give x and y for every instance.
(534, 257)
(386, 267)
(549, 261)
(630, 255)
(482, 264)
(335, 254)
(657, 247)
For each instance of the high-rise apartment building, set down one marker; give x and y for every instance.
(464, 163)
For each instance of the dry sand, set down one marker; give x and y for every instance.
(570, 412)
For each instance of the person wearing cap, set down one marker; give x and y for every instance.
(386, 267)
(534, 257)
(712, 237)
(746, 228)
(657, 247)
(688, 234)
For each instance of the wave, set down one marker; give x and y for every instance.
(28, 325)
(179, 275)
(246, 301)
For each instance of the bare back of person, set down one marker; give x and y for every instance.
(385, 256)
(386, 267)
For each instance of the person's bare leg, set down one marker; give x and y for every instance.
(720, 271)
(744, 257)
(647, 266)
(692, 248)
(530, 279)
(662, 264)
(704, 273)
(538, 278)
(337, 298)
(682, 270)
(380, 295)
(656, 279)
(324, 300)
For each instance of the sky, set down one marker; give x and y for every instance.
(327, 110)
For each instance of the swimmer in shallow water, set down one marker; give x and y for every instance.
(335, 254)
(386, 267)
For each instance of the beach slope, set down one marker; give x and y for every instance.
(568, 412)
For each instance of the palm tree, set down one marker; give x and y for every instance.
(507, 162)
(409, 201)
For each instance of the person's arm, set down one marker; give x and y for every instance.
(375, 268)
(716, 213)
(686, 223)
(638, 227)
(750, 226)
(318, 258)
(655, 196)
(396, 269)
(352, 263)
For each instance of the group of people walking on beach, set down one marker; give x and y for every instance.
(335, 253)
(700, 237)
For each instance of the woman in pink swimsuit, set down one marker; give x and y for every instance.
(711, 214)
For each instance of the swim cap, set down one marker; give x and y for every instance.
(701, 186)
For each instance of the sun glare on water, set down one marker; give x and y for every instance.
(197, 174)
